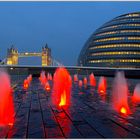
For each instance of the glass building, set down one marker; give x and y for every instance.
(115, 44)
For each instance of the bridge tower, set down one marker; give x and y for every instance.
(46, 56)
(12, 56)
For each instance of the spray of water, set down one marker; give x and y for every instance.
(102, 85)
(120, 94)
(61, 87)
(6, 100)
(136, 94)
(92, 80)
(75, 78)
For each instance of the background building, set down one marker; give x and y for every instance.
(115, 44)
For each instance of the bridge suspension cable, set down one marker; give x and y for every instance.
(3, 61)
(56, 63)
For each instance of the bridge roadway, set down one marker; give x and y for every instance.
(89, 116)
(98, 71)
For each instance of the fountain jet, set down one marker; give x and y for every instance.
(120, 94)
(80, 83)
(61, 87)
(6, 100)
(43, 78)
(102, 85)
(136, 94)
(92, 80)
(75, 78)
(47, 86)
(85, 81)
(25, 84)
(29, 78)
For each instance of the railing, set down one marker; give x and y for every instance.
(98, 71)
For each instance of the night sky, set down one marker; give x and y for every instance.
(64, 26)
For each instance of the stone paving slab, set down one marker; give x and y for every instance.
(87, 117)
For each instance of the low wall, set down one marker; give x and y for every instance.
(35, 71)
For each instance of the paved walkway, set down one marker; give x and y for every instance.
(87, 117)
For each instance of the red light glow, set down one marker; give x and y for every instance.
(29, 78)
(136, 94)
(101, 91)
(75, 78)
(47, 87)
(102, 85)
(25, 84)
(6, 100)
(49, 76)
(10, 124)
(43, 78)
(80, 83)
(123, 110)
(120, 94)
(92, 80)
(61, 87)
(63, 99)
(85, 81)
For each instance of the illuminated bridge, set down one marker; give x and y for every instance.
(13, 55)
(26, 54)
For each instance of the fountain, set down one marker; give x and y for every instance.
(102, 85)
(136, 94)
(43, 78)
(120, 94)
(92, 80)
(29, 78)
(61, 87)
(27, 81)
(70, 78)
(47, 86)
(80, 83)
(75, 78)
(6, 100)
(50, 77)
(25, 84)
(85, 81)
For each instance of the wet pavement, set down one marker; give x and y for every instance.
(88, 116)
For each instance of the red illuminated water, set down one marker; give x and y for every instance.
(6, 100)
(49, 76)
(92, 80)
(120, 94)
(61, 87)
(43, 78)
(85, 81)
(27, 81)
(75, 78)
(25, 84)
(80, 83)
(102, 85)
(29, 78)
(47, 86)
(136, 94)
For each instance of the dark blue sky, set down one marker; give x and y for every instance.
(65, 26)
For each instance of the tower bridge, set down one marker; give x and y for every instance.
(30, 54)
(13, 56)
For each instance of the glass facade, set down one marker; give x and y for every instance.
(115, 44)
